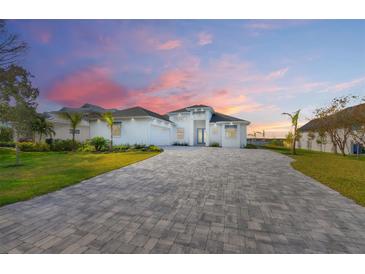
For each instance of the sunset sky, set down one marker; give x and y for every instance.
(252, 69)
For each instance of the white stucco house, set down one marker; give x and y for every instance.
(197, 125)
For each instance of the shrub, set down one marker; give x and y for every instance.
(139, 146)
(214, 144)
(153, 148)
(251, 146)
(29, 146)
(86, 147)
(180, 144)
(277, 142)
(7, 144)
(64, 145)
(49, 141)
(100, 143)
(6, 134)
(121, 148)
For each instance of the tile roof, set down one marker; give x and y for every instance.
(315, 123)
(220, 117)
(186, 108)
(138, 112)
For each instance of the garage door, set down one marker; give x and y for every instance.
(160, 136)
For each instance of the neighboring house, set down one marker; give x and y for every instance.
(195, 125)
(311, 140)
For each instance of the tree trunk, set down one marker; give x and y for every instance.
(111, 138)
(40, 137)
(73, 139)
(294, 140)
(17, 160)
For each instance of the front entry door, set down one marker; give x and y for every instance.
(200, 136)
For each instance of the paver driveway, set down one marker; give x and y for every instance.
(189, 200)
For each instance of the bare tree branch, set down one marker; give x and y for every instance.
(11, 48)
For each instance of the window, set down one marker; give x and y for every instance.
(180, 133)
(231, 131)
(77, 131)
(117, 129)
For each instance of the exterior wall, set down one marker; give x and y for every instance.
(99, 128)
(161, 133)
(217, 135)
(215, 131)
(243, 135)
(62, 128)
(182, 120)
(304, 143)
(231, 142)
(134, 131)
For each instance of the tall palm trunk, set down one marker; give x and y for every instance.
(40, 137)
(294, 140)
(111, 137)
(73, 139)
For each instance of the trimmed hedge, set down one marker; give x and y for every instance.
(33, 147)
(251, 146)
(215, 144)
(7, 144)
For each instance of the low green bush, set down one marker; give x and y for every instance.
(121, 148)
(139, 146)
(33, 147)
(180, 144)
(251, 146)
(215, 144)
(86, 147)
(100, 143)
(277, 142)
(153, 148)
(65, 145)
(7, 144)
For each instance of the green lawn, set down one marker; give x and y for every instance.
(343, 174)
(43, 172)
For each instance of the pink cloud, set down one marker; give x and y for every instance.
(171, 79)
(348, 85)
(277, 74)
(93, 85)
(44, 37)
(204, 39)
(170, 44)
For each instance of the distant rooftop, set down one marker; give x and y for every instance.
(315, 123)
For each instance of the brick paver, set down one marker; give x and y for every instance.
(189, 200)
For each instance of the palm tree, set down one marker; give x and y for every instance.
(109, 119)
(294, 121)
(75, 119)
(43, 127)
